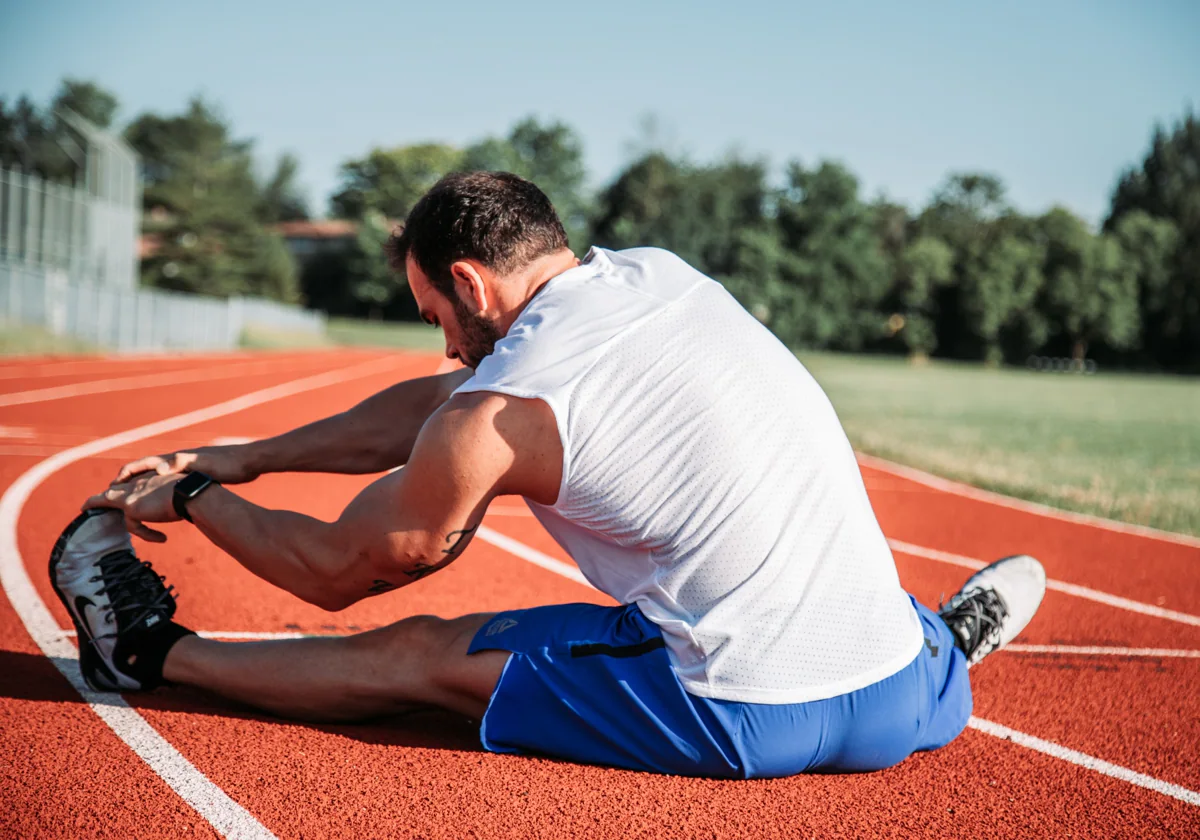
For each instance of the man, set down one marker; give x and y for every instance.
(681, 455)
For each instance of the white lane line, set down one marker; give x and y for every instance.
(213, 804)
(1086, 650)
(531, 555)
(150, 380)
(31, 368)
(1072, 650)
(956, 488)
(234, 635)
(1050, 748)
(1054, 585)
(1090, 762)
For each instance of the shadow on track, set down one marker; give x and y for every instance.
(34, 678)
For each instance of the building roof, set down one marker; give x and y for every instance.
(317, 229)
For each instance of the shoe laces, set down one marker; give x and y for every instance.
(134, 591)
(976, 616)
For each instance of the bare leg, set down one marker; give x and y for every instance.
(420, 661)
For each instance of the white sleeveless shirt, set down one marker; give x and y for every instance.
(707, 479)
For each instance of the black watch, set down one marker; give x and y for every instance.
(191, 486)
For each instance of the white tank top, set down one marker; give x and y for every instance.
(707, 479)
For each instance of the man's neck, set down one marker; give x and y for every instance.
(533, 278)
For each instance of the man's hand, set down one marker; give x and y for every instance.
(144, 499)
(226, 464)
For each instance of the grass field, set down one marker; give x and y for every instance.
(18, 340)
(346, 331)
(1122, 446)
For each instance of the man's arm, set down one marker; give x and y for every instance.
(375, 435)
(402, 527)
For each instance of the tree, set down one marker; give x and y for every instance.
(372, 282)
(550, 155)
(1166, 187)
(701, 213)
(1091, 292)
(205, 205)
(390, 181)
(281, 200)
(88, 100)
(1000, 284)
(41, 141)
(823, 269)
(925, 265)
(1149, 244)
(989, 277)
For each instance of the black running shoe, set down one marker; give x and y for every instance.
(994, 605)
(121, 609)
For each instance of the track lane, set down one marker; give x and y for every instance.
(1131, 565)
(212, 802)
(442, 772)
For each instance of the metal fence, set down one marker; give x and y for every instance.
(89, 231)
(69, 262)
(138, 319)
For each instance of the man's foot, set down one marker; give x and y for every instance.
(122, 611)
(994, 605)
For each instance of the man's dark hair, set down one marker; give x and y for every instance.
(497, 218)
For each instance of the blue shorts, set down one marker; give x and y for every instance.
(594, 684)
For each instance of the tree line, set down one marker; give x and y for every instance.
(967, 276)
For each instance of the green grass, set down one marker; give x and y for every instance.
(17, 340)
(348, 332)
(408, 336)
(255, 337)
(1116, 445)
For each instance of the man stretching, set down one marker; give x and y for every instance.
(671, 445)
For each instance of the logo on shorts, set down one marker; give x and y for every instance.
(500, 625)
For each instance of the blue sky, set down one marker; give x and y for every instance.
(1055, 96)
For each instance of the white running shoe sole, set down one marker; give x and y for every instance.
(76, 578)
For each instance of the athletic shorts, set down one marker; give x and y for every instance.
(594, 684)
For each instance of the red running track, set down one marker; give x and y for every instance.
(1104, 743)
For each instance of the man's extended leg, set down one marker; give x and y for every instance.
(128, 642)
(420, 661)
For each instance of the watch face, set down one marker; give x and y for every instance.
(192, 484)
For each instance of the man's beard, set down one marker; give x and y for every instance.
(479, 336)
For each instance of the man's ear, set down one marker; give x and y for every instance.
(470, 284)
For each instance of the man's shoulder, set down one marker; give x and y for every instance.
(516, 435)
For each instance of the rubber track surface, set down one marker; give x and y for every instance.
(64, 773)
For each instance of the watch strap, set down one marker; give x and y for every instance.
(188, 488)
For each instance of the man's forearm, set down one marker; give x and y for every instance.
(375, 435)
(295, 552)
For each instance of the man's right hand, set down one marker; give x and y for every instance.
(226, 464)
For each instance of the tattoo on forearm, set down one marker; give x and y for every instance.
(461, 538)
(457, 540)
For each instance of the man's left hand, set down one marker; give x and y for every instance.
(146, 498)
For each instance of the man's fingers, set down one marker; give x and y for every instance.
(139, 530)
(110, 498)
(139, 466)
(177, 463)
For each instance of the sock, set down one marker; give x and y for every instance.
(142, 655)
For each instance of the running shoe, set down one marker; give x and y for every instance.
(121, 609)
(994, 605)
